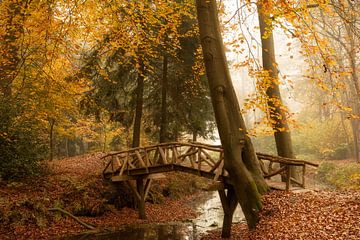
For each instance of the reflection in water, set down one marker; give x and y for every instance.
(173, 231)
(211, 213)
(210, 217)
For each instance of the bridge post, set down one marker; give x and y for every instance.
(288, 177)
(141, 191)
(229, 202)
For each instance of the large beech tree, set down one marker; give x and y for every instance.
(240, 158)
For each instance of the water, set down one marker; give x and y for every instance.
(211, 213)
(210, 217)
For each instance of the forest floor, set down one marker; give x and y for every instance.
(309, 215)
(330, 209)
(75, 185)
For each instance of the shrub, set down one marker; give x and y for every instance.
(21, 146)
(343, 176)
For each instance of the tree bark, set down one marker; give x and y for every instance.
(240, 161)
(139, 106)
(51, 138)
(164, 87)
(355, 80)
(277, 114)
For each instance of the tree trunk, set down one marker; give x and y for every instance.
(67, 147)
(194, 136)
(240, 162)
(356, 99)
(164, 87)
(277, 115)
(51, 138)
(139, 106)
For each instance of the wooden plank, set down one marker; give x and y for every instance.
(215, 186)
(288, 177)
(296, 181)
(211, 164)
(219, 170)
(147, 186)
(162, 154)
(201, 173)
(290, 161)
(141, 191)
(152, 169)
(117, 163)
(217, 164)
(147, 160)
(275, 173)
(133, 188)
(142, 163)
(303, 176)
(156, 156)
(199, 158)
(174, 155)
(106, 171)
(124, 166)
(191, 158)
(208, 156)
(127, 177)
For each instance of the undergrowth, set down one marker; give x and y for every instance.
(339, 176)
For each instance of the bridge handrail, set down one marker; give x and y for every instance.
(290, 161)
(216, 148)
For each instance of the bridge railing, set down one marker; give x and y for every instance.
(192, 156)
(202, 157)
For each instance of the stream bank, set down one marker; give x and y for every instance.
(209, 217)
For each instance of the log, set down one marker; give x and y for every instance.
(88, 226)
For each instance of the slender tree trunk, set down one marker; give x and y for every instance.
(356, 98)
(139, 106)
(67, 147)
(105, 138)
(277, 115)
(51, 138)
(240, 162)
(164, 87)
(348, 142)
(194, 136)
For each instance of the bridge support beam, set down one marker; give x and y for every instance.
(229, 202)
(141, 191)
(141, 200)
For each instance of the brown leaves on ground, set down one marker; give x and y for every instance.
(310, 215)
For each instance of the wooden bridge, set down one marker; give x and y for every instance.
(143, 164)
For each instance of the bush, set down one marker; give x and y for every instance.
(342, 176)
(324, 140)
(21, 147)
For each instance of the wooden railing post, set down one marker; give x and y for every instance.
(303, 175)
(288, 177)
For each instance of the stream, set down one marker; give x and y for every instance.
(210, 216)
